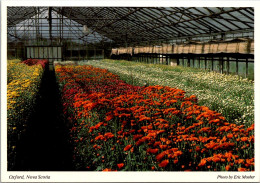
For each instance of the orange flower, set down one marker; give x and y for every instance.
(164, 163)
(228, 167)
(152, 151)
(178, 153)
(250, 161)
(132, 149)
(163, 146)
(202, 162)
(127, 147)
(120, 165)
(160, 156)
(135, 137)
(244, 139)
(174, 149)
(242, 169)
(210, 145)
(143, 118)
(235, 130)
(163, 139)
(107, 170)
(109, 135)
(139, 142)
(100, 137)
(214, 121)
(216, 159)
(230, 135)
(240, 161)
(250, 128)
(205, 129)
(168, 142)
(157, 143)
(197, 148)
(251, 138)
(108, 118)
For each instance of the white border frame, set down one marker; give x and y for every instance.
(125, 176)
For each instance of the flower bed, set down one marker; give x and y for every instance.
(13, 69)
(230, 95)
(31, 62)
(117, 126)
(22, 89)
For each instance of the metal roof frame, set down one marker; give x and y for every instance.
(138, 25)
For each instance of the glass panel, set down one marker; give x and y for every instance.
(28, 52)
(216, 65)
(232, 67)
(45, 55)
(242, 69)
(41, 52)
(251, 71)
(59, 53)
(55, 53)
(36, 52)
(50, 53)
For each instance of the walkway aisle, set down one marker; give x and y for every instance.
(45, 146)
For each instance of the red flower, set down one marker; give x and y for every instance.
(163, 146)
(108, 118)
(157, 143)
(109, 135)
(228, 167)
(160, 156)
(152, 151)
(127, 147)
(132, 149)
(197, 148)
(230, 135)
(120, 165)
(244, 139)
(240, 161)
(235, 130)
(242, 169)
(100, 137)
(215, 159)
(107, 170)
(164, 163)
(202, 162)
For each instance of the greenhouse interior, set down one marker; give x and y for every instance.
(130, 88)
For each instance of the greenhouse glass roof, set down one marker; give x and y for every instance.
(133, 25)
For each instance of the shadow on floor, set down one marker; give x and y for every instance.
(45, 146)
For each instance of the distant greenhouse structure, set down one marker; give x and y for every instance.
(214, 38)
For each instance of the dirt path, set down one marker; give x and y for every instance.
(45, 145)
